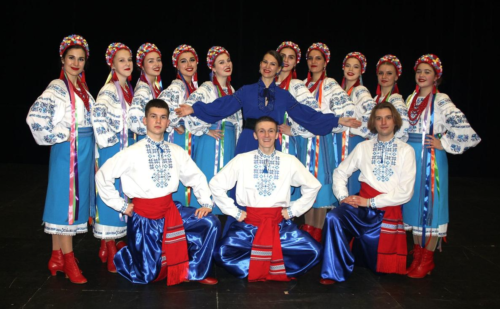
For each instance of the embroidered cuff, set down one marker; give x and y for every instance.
(341, 198)
(290, 213)
(211, 206)
(238, 215)
(372, 203)
(124, 207)
(206, 130)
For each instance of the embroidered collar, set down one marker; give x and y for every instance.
(160, 145)
(264, 156)
(268, 93)
(386, 144)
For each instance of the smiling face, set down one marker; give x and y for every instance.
(269, 66)
(316, 62)
(352, 69)
(387, 75)
(152, 65)
(73, 61)
(425, 75)
(266, 133)
(186, 64)
(123, 64)
(223, 66)
(289, 59)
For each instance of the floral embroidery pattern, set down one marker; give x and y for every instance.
(160, 162)
(266, 171)
(384, 158)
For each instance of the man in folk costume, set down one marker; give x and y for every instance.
(159, 231)
(373, 218)
(265, 244)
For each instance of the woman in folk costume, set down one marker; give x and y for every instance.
(216, 142)
(263, 98)
(318, 153)
(185, 60)
(148, 87)
(287, 80)
(389, 70)
(354, 66)
(437, 126)
(112, 133)
(60, 117)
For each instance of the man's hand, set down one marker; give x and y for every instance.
(184, 110)
(284, 213)
(355, 201)
(130, 210)
(202, 212)
(243, 216)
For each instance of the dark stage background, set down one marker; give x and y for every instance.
(462, 34)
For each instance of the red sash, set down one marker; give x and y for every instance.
(174, 254)
(266, 259)
(392, 242)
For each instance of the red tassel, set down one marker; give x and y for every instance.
(379, 92)
(61, 76)
(396, 89)
(83, 78)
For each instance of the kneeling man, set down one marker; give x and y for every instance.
(160, 231)
(373, 218)
(265, 244)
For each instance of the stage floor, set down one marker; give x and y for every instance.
(467, 273)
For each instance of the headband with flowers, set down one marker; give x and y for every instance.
(293, 46)
(213, 53)
(322, 48)
(393, 60)
(71, 40)
(433, 61)
(113, 48)
(143, 50)
(359, 56)
(182, 49)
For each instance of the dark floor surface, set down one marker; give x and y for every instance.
(467, 274)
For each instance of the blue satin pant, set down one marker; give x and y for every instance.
(342, 224)
(300, 251)
(140, 261)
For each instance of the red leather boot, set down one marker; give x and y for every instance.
(308, 228)
(120, 245)
(103, 253)
(111, 247)
(426, 265)
(317, 234)
(71, 269)
(56, 262)
(417, 257)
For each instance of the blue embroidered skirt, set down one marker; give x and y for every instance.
(108, 224)
(326, 164)
(57, 199)
(412, 211)
(140, 261)
(204, 156)
(300, 251)
(180, 140)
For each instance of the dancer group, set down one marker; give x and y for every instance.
(159, 166)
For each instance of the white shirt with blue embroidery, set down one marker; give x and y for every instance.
(150, 169)
(207, 93)
(450, 122)
(142, 95)
(264, 181)
(388, 167)
(174, 95)
(49, 118)
(334, 101)
(363, 105)
(108, 116)
(397, 100)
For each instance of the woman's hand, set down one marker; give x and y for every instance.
(217, 134)
(184, 110)
(202, 212)
(180, 129)
(432, 142)
(350, 122)
(285, 129)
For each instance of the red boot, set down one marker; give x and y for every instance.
(417, 258)
(120, 245)
(103, 253)
(308, 228)
(426, 265)
(71, 269)
(56, 262)
(317, 234)
(111, 247)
